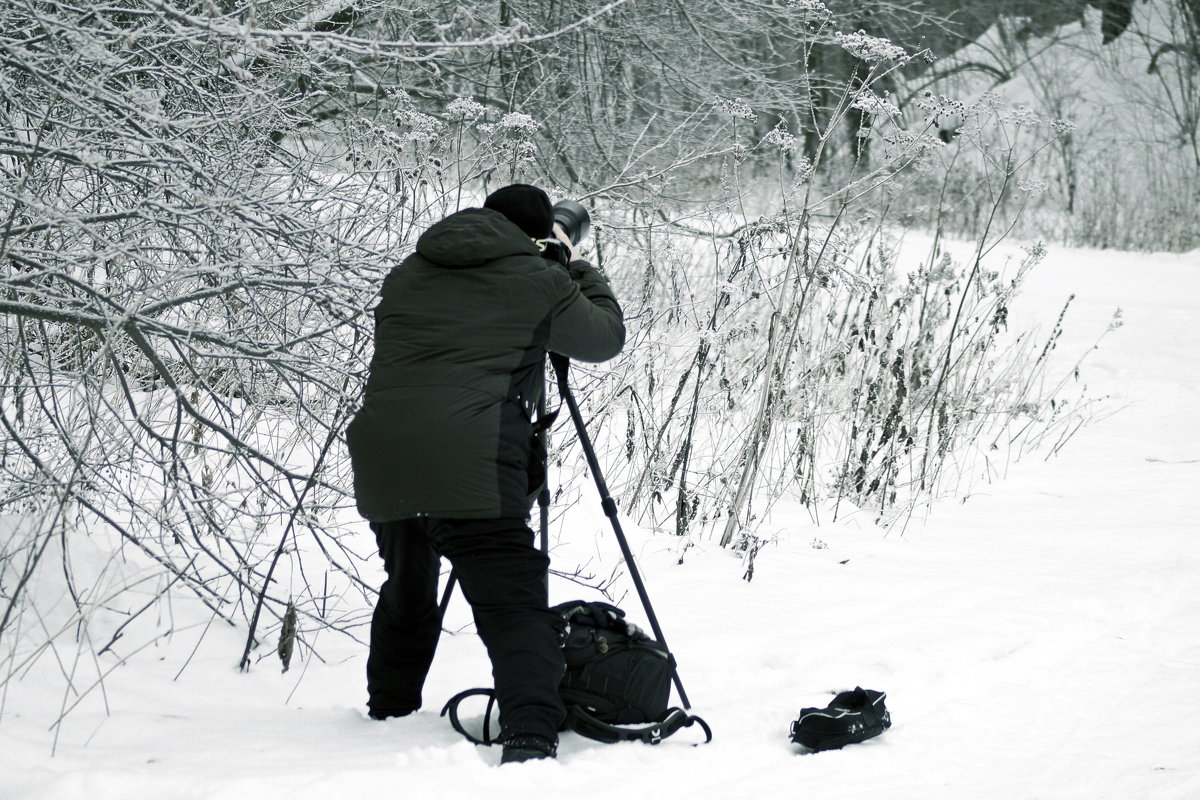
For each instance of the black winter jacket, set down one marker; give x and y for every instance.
(461, 334)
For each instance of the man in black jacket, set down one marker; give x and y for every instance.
(442, 449)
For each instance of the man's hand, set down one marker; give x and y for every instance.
(561, 235)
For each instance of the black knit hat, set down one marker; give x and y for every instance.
(528, 207)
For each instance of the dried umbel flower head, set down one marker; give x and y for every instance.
(1032, 187)
(868, 101)
(1035, 253)
(1062, 126)
(810, 6)
(416, 126)
(736, 108)
(464, 109)
(871, 49)
(939, 105)
(524, 150)
(779, 137)
(518, 123)
(1023, 115)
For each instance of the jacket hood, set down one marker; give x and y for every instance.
(472, 237)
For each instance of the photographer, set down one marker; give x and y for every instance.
(443, 448)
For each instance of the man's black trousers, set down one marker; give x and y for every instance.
(502, 575)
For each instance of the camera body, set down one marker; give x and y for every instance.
(575, 222)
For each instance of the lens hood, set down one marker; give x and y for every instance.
(573, 218)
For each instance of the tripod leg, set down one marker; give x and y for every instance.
(543, 498)
(561, 367)
(442, 606)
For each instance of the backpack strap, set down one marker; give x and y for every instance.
(671, 721)
(583, 723)
(451, 709)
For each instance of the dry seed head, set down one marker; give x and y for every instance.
(464, 108)
(811, 6)
(416, 126)
(518, 123)
(780, 137)
(872, 49)
(872, 103)
(736, 108)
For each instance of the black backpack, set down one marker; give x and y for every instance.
(617, 685)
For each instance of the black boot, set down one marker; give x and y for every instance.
(389, 713)
(526, 747)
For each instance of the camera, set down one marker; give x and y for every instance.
(575, 222)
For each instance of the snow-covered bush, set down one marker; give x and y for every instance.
(198, 206)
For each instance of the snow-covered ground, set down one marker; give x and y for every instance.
(1041, 640)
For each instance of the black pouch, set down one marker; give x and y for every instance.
(852, 717)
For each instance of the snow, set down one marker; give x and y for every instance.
(1039, 639)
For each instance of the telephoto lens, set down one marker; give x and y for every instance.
(573, 218)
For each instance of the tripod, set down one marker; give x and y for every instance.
(561, 366)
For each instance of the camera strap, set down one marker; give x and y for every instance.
(545, 421)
